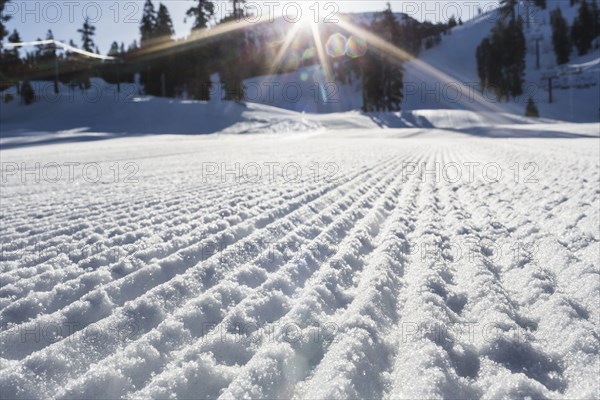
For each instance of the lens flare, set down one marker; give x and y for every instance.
(336, 45)
(292, 61)
(356, 47)
(309, 54)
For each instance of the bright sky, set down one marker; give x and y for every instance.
(119, 20)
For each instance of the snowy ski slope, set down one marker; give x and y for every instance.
(348, 269)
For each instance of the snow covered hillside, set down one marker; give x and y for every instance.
(575, 94)
(416, 263)
(443, 78)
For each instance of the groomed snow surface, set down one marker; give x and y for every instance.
(368, 264)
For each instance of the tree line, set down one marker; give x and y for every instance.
(581, 34)
(501, 55)
(182, 68)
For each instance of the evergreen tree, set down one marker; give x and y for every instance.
(516, 47)
(148, 23)
(82, 77)
(501, 60)
(14, 38)
(484, 62)
(48, 52)
(87, 33)
(238, 8)
(114, 50)
(165, 68)
(202, 12)
(11, 66)
(27, 93)
(3, 19)
(371, 82)
(111, 72)
(583, 30)
(232, 76)
(39, 49)
(596, 14)
(392, 69)
(48, 59)
(133, 47)
(452, 22)
(164, 24)
(531, 109)
(560, 37)
(149, 75)
(231, 51)
(383, 75)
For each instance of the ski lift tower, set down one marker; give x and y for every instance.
(538, 37)
(550, 77)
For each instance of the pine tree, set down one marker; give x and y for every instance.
(3, 19)
(371, 82)
(14, 38)
(238, 10)
(11, 66)
(148, 23)
(501, 60)
(484, 62)
(383, 75)
(452, 22)
(39, 49)
(164, 24)
(48, 59)
(27, 93)
(515, 66)
(202, 13)
(164, 68)
(82, 78)
(114, 50)
(531, 109)
(583, 30)
(87, 33)
(560, 37)
(596, 14)
(393, 69)
(49, 50)
(133, 47)
(232, 49)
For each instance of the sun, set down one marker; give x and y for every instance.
(302, 13)
(304, 17)
(308, 17)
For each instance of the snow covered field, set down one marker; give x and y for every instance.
(417, 263)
